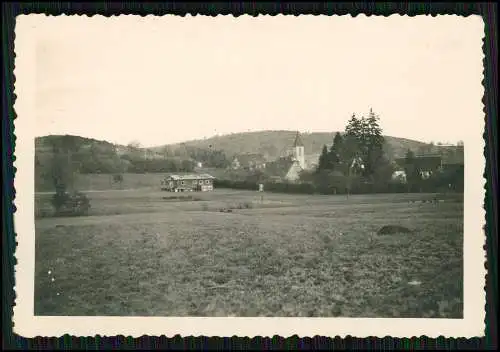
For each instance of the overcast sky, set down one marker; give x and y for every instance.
(160, 80)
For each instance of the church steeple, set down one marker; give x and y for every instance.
(298, 151)
(298, 141)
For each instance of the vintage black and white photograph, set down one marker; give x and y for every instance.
(252, 167)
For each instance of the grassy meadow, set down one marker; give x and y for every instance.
(142, 253)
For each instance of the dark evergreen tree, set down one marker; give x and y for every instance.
(374, 143)
(354, 127)
(368, 135)
(350, 157)
(323, 160)
(334, 159)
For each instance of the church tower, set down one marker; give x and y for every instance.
(298, 151)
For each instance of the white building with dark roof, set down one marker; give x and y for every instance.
(188, 183)
(297, 160)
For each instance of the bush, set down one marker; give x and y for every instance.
(117, 178)
(76, 204)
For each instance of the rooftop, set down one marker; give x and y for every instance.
(190, 177)
(250, 158)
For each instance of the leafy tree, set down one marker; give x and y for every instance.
(134, 150)
(256, 176)
(118, 178)
(187, 166)
(383, 173)
(166, 152)
(62, 167)
(60, 174)
(306, 176)
(412, 170)
(216, 158)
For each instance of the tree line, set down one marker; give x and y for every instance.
(76, 154)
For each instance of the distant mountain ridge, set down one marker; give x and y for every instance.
(271, 144)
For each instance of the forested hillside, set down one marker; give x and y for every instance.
(273, 144)
(96, 156)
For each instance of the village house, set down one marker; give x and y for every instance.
(188, 183)
(235, 164)
(249, 161)
(399, 176)
(430, 164)
(288, 168)
(278, 169)
(427, 164)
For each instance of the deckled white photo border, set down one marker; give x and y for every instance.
(28, 325)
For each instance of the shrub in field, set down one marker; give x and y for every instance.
(248, 205)
(118, 179)
(76, 204)
(393, 229)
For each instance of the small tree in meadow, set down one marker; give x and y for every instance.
(118, 179)
(62, 174)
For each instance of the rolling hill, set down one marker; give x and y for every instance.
(271, 144)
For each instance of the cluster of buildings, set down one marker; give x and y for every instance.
(286, 168)
(429, 164)
(289, 167)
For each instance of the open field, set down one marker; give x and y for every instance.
(283, 255)
(100, 182)
(105, 182)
